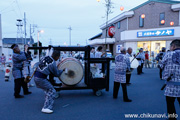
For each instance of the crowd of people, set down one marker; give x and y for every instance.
(169, 70)
(168, 64)
(169, 67)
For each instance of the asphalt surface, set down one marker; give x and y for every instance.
(84, 105)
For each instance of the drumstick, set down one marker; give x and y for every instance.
(134, 57)
(34, 72)
(28, 78)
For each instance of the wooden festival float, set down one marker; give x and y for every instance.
(82, 77)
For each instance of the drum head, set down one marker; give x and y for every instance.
(134, 62)
(74, 71)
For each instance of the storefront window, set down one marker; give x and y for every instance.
(119, 25)
(162, 19)
(141, 21)
(151, 46)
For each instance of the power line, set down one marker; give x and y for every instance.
(52, 27)
(19, 8)
(6, 11)
(7, 6)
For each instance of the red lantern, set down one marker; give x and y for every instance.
(143, 16)
(171, 23)
(111, 31)
(121, 8)
(162, 21)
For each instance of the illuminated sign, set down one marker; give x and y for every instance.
(156, 33)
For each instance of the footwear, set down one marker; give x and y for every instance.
(128, 100)
(18, 96)
(46, 110)
(27, 93)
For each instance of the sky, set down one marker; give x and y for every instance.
(55, 17)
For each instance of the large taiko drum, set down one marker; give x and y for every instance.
(74, 72)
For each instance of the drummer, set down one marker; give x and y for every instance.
(47, 65)
(128, 74)
(140, 57)
(51, 76)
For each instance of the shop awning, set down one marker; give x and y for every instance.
(132, 35)
(102, 41)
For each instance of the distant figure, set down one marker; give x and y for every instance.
(128, 74)
(122, 65)
(146, 60)
(92, 55)
(3, 59)
(153, 61)
(140, 57)
(159, 57)
(170, 63)
(64, 55)
(10, 60)
(99, 54)
(92, 52)
(27, 64)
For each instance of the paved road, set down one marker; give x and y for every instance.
(83, 105)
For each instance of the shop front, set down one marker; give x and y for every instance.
(151, 46)
(151, 40)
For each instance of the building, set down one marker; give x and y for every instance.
(151, 25)
(7, 42)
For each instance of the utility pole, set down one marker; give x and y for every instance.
(70, 35)
(108, 11)
(86, 42)
(32, 31)
(19, 25)
(25, 27)
(50, 41)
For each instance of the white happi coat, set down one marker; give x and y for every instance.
(122, 64)
(142, 57)
(128, 55)
(171, 65)
(27, 71)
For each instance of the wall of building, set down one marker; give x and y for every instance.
(133, 45)
(168, 45)
(131, 35)
(127, 34)
(152, 12)
(117, 35)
